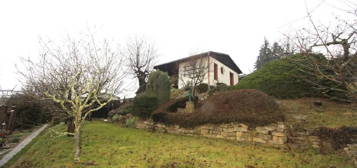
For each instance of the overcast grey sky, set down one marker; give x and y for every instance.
(177, 28)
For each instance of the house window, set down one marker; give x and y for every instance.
(215, 69)
(222, 70)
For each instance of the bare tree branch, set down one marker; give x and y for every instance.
(141, 56)
(81, 75)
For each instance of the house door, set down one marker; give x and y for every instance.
(215, 70)
(231, 77)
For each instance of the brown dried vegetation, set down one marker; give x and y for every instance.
(337, 137)
(248, 106)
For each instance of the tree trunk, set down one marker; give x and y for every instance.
(70, 126)
(142, 83)
(77, 144)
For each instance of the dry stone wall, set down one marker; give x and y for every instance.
(274, 134)
(351, 151)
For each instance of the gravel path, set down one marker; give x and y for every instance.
(21, 145)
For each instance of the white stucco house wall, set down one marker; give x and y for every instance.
(218, 68)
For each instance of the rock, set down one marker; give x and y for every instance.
(270, 127)
(259, 140)
(281, 127)
(299, 117)
(279, 134)
(242, 128)
(315, 146)
(263, 136)
(204, 131)
(280, 140)
(243, 136)
(348, 114)
(229, 129)
(261, 130)
(228, 134)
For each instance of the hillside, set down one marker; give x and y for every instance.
(108, 145)
(312, 113)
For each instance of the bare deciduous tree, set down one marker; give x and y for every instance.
(338, 43)
(141, 56)
(194, 72)
(81, 76)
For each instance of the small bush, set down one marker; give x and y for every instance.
(123, 109)
(202, 88)
(158, 86)
(218, 88)
(177, 93)
(248, 106)
(131, 122)
(30, 111)
(115, 117)
(144, 105)
(2, 141)
(221, 86)
(172, 105)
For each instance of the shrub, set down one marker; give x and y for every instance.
(131, 122)
(2, 141)
(123, 109)
(158, 86)
(172, 105)
(248, 106)
(280, 78)
(144, 105)
(202, 88)
(30, 111)
(221, 86)
(115, 117)
(177, 93)
(218, 88)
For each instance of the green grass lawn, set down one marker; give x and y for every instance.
(108, 145)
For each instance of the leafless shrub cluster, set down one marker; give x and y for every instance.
(338, 44)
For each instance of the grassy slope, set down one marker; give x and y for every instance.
(108, 145)
(330, 114)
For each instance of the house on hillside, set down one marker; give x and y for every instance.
(214, 68)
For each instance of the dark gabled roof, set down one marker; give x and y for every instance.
(223, 58)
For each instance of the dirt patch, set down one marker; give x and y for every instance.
(248, 106)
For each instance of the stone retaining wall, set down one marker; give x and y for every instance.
(351, 151)
(274, 134)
